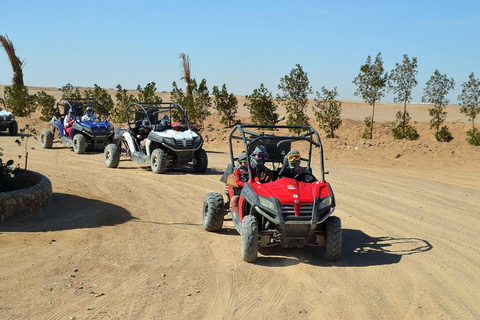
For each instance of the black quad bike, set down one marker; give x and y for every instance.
(291, 212)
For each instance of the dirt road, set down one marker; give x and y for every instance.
(128, 244)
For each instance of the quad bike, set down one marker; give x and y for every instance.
(7, 120)
(84, 134)
(165, 145)
(291, 212)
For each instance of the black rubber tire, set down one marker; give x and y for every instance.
(13, 128)
(158, 161)
(46, 139)
(333, 240)
(79, 143)
(200, 161)
(249, 239)
(213, 212)
(111, 155)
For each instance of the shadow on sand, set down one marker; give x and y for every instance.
(359, 250)
(68, 212)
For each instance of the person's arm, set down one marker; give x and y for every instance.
(239, 182)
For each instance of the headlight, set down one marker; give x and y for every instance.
(169, 140)
(267, 203)
(325, 203)
(88, 129)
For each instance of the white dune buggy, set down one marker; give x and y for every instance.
(7, 120)
(164, 146)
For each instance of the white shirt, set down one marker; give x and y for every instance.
(91, 117)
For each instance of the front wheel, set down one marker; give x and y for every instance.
(249, 238)
(111, 155)
(46, 139)
(79, 143)
(213, 211)
(13, 128)
(200, 161)
(333, 240)
(158, 161)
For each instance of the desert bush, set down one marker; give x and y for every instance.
(197, 104)
(444, 135)
(367, 133)
(21, 103)
(147, 94)
(26, 133)
(473, 137)
(402, 129)
(46, 103)
(123, 101)
(68, 93)
(328, 111)
(296, 88)
(262, 107)
(226, 105)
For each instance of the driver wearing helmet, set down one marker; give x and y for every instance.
(293, 168)
(143, 132)
(164, 123)
(259, 171)
(241, 176)
(89, 115)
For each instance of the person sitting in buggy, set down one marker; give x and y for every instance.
(164, 124)
(68, 121)
(240, 175)
(143, 131)
(257, 161)
(89, 115)
(291, 167)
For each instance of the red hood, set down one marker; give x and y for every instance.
(287, 190)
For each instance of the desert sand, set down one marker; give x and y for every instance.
(128, 244)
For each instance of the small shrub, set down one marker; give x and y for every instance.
(367, 133)
(473, 137)
(46, 103)
(444, 135)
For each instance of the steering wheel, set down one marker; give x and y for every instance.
(305, 177)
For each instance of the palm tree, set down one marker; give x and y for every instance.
(186, 73)
(14, 60)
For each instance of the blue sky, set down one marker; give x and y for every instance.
(238, 43)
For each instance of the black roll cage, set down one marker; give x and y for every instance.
(141, 110)
(80, 106)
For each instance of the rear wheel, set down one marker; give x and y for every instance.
(111, 155)
(13, 128)
(249, 238)
(158, 161)
(333, 241)
(46, 139)
(200, 161)
(213, 211)
(79, 143)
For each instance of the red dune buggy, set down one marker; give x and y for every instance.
(288, 211)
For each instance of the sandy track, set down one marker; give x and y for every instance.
(410, 248)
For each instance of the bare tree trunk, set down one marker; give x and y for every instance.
(14, 60)
(186, 73)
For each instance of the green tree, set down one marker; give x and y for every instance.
(202, 102)
(262, 107)
(435, 93)
(371, 82)
(226, 105)
(328, 111)
(68, 93)
(123, 101)
(296, 88)
(401, 81)
(147, 94)
(470, 101)
(101, 95)
(46, 103)
(19, 100)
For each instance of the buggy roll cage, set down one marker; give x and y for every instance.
(79, 105)
(151, 110)
(277, 145)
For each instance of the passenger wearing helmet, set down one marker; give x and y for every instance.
(293, 168)
(164, 123)
(259, 171)
(68, 122)
(241, 176)
(89, 115)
